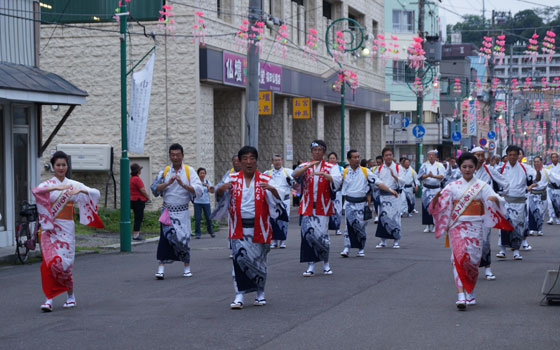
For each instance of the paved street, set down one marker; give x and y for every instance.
(391, 299)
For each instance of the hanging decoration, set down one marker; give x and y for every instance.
(381, 49)
(457, 86)
(311, 44)
(118, 10)
(242, 36)
(500, 106)
(528, 85)
(548, 45)
(495, 83)
(346, 77)
(394, 47)
(556, 105)
(544, 84)
(436, 90)
(486, 50)
(281, 40)
(339, 47)
(199, 28)
(515, 86)
(257, 35)
(499, 49)
(417, 85)
(556, 83)
(416, 54)
(166, 18)
(533, 48)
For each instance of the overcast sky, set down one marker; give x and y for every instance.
(475, 7)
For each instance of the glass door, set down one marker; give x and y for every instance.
(2, 174)
(20, 115)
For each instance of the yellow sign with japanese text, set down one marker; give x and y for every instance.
(265, 102)
(301, 107)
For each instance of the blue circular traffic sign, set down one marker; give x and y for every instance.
(456, 136)
(483, 142)
(418, 131)
(491, 135)
(405, 122)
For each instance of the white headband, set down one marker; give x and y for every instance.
(477, 149)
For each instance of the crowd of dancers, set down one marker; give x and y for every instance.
(462, 201)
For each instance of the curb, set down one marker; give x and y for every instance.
(118, 245)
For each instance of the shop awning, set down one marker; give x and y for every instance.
(31, 84)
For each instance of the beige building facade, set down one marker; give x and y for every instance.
(193, 100)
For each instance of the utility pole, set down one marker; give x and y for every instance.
(252, 88)
(125, 162)
(491, 66)
(420, 95)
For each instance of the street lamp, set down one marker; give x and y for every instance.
(352, 45)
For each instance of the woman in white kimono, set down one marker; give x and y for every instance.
(462, 210)
(55, 205)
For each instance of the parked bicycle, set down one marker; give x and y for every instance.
(27, 232)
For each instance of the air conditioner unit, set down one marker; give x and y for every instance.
(91, 157)
(551, 285)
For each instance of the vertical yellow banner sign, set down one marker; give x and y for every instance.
(301, 107)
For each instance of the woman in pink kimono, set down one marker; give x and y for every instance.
(55, 204)
(461, 210)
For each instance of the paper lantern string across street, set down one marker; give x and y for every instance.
(199, 28)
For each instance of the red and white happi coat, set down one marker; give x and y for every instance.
(324, 204)
(463, 211)
(56, 209)
(262, 232)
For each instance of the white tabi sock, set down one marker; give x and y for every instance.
(160, 269)
(488, 271)
(260, 295)
(326, 266)
(187, 269)
(48, 301)
(461, 296)
(311, 267)
(70, 298)
(238, 298)
(524, 242)
(361, 251)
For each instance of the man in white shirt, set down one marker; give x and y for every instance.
(356, 182)
(178, 184)
(281, 178)
(390, 174)
(319, 179)
(519, 177)
(409, 188)
(553, 192)
(431, 175)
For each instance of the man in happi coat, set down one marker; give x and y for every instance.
(389, 226)
(461, 211)
(519, 177)
(178, 184)
(409, 188)
(553, 192)
(250, 202)
(536, 202)
(493, 178)
(356, 181)
(431, 175)
(375, 190)
(319, 179)
(281, 178)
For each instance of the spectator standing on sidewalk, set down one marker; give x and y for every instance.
(138, 199)
(202, 204)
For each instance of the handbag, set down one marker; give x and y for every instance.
(368, 213)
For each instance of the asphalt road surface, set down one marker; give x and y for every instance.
(391, 299)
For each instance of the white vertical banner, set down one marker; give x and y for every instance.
(472, 119)
(141, 90)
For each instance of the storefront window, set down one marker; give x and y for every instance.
(2, 174)
(21, 155)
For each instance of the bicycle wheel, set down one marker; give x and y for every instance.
(22, 235)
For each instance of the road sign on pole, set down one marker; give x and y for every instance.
(491, 135)
(491, 145)
(418, 131)
(405, 122)
(456, 136)
(483, 142)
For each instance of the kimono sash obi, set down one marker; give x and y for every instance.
(511, 199)
(475, 208)
(67, 212)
